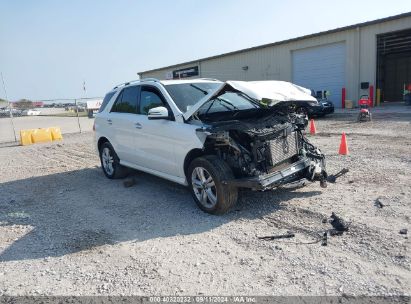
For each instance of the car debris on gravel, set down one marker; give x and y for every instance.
(381, 202)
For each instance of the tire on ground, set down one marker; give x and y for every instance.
(220, 171)
(119, 170)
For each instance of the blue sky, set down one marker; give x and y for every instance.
(47, 48)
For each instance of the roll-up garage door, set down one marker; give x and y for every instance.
(321, 68)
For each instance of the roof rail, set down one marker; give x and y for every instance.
(126, 83)
(137, 80)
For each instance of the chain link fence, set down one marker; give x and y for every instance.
(71, 115)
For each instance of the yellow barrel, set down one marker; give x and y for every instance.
(41, 135)
(56, 133)
(25, 137)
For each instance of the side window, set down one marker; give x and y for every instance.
(127, 101)
(150, 98)
(105, 101)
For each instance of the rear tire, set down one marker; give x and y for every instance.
(110, 163)
(205, 176)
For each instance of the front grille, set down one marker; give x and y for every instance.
(283, 148)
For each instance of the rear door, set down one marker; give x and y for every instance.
(123, 121)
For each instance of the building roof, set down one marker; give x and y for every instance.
(340, 29)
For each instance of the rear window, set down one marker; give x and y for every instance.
(186, 95)
(105, 101)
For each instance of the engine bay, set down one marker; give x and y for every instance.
(257, 147)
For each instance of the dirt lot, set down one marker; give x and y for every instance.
(67, 230)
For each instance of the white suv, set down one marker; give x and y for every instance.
(210, 135)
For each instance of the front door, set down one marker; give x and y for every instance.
(156, 139)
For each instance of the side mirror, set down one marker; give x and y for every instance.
(158, 113)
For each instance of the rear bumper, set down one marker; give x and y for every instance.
(328, 110)
(320, 110)
(294, 172)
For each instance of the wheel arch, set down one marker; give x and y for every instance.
(193, 154)
(101, 141)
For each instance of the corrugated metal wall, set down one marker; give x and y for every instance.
(275, 62)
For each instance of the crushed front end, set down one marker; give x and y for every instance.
(266, 153)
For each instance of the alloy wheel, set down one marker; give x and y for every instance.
(107, 161)
(204, 187)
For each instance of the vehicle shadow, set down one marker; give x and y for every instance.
(75, 211)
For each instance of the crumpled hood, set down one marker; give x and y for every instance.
(270, 92)
(274, 91)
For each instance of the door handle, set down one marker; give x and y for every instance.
(138, 125)
(109, 121)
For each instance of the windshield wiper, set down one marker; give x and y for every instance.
(229, 103)
(224, 102)
(198, 88)
(252, 100)
(208, 109)
(221, 100)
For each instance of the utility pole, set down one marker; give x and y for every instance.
(78, 118)
(11, 114)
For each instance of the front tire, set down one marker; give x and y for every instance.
(205, 177)
(110, 163)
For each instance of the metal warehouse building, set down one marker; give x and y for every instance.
(368, 58)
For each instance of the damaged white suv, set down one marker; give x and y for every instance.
(212, 136)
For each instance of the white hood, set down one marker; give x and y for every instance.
(270, 92)
(275, 91)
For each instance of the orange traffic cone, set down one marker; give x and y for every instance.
(343, 145)
(313, 130)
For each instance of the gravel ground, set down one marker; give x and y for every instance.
(67, 230)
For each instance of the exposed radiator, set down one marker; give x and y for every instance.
(283, 148)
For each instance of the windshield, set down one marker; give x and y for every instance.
(186, 95)
(229, 101)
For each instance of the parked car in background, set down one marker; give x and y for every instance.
(319, 109)
(211, 136)
(31, 112)
(93, 107)
(5, 112)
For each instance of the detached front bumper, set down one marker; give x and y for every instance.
(294, 172)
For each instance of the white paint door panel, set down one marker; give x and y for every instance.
(124, 132)
(162, 145)
(154, 144)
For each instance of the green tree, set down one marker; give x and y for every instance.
(23, 104)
